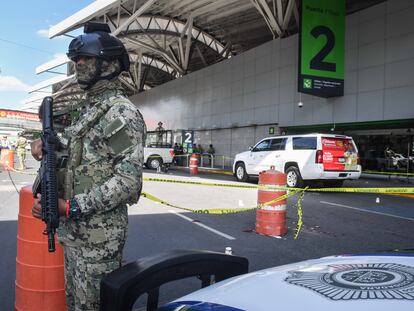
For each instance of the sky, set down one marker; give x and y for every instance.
(24, 44)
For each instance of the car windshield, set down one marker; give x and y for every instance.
(262, 146)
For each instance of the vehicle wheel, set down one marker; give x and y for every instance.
(293, 178)
(241, 174)
(154, 163)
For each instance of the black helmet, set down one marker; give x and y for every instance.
(98, 42)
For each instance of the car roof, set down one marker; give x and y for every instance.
(311, 135)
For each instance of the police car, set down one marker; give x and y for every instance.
(383, 281)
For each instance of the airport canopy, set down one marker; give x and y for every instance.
(170, 38)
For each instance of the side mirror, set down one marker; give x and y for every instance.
(250, 148)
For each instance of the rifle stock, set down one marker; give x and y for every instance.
(46, 180)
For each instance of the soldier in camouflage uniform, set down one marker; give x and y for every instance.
(104, 171)
(21, 150)
(160, 132)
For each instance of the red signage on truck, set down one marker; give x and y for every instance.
(339, 154)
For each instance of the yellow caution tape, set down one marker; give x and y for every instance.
(282, 197)
(298, 206)
(182, 155)
(221, 211)
(157, 156)
(216, 211)
(409, 190)
(291, 192)
(206, 170)
(174, 156)
(200, 183)
(201, 211)
(402, 195)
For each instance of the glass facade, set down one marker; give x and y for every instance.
(386, 152)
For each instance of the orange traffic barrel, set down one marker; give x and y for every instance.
(7, 159)
(271, 217)
(193, 164)
(39, 274)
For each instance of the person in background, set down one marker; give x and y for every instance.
(211, 151)
(5, 143)
(181, 158)
(195, 149)
(176, 154)
(1, 147)
(21, 150)
(160, 132)
(104, 168)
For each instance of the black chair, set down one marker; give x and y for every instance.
(121, 288)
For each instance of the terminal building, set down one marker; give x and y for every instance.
(228, 71)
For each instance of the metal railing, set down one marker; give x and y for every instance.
(206, 160)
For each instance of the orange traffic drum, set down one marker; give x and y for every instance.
(39, 274)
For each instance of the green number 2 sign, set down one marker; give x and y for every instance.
(317, 62)
(321, 42)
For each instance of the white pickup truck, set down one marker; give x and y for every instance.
(155, 157)
(158, 149)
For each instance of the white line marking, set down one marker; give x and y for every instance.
(229, 237)
(367, 211)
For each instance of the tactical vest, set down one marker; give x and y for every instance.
(76, 177)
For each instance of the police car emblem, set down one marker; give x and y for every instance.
(359, 281)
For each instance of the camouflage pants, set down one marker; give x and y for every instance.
(85, 266)
(21, 154)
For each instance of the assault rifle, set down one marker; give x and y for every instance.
(46, 180)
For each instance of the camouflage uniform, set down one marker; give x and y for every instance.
(160, 132)
(105, 168)
(21, 151)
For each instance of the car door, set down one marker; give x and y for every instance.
(257, 156)
(275, 156)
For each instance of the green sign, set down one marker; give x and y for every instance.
(271, 130)
(321, 47)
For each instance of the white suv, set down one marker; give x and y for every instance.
(310, 157)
